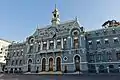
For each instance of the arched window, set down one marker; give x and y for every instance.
(13, 53)
(16, 62)
(29, 61)
(12, 63)
(20, 62)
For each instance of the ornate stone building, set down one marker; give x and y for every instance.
(56, 47)
(67, 47)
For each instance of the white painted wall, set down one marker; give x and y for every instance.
(3, 45)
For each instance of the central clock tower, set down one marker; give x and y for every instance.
(55, 19)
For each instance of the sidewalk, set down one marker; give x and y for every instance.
(44, 73)
(74, 73)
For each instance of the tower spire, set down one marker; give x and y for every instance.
(55, 19)
(55, 6)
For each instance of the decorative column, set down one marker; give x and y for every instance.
(28, 48)
(36, 45)
(47, 44)
(41, 45)
(71, 42)
(62, 43)
(54, 43)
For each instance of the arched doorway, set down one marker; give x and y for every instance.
(51, 64)
(29, 65)
(43, 64)
(77, 63)
(58, 64)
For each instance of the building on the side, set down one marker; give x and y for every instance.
(103, 48)
(15, 57)
(67, 47)
(3, 53)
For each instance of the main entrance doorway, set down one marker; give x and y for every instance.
(58, 64)
(77, 63)
(51, 64)
(43, 64)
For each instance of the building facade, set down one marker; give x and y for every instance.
(67, 47)
(3, 52)
(103, 52)
(15, 57)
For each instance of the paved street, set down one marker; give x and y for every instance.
(58, 77)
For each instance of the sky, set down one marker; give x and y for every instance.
(19, 18)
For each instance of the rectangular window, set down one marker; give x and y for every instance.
(21, 52)
(44, 46)
(90, 42)
(106, 41)
(109, 56)
(92, 57)
(118, 56)
(97, 34)
(105, 32)
(113, 31)
(13, 53)
(51, 46)
(98, 42)
(58, 44)
(99, 57)
(17, 53)
(115, 40)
